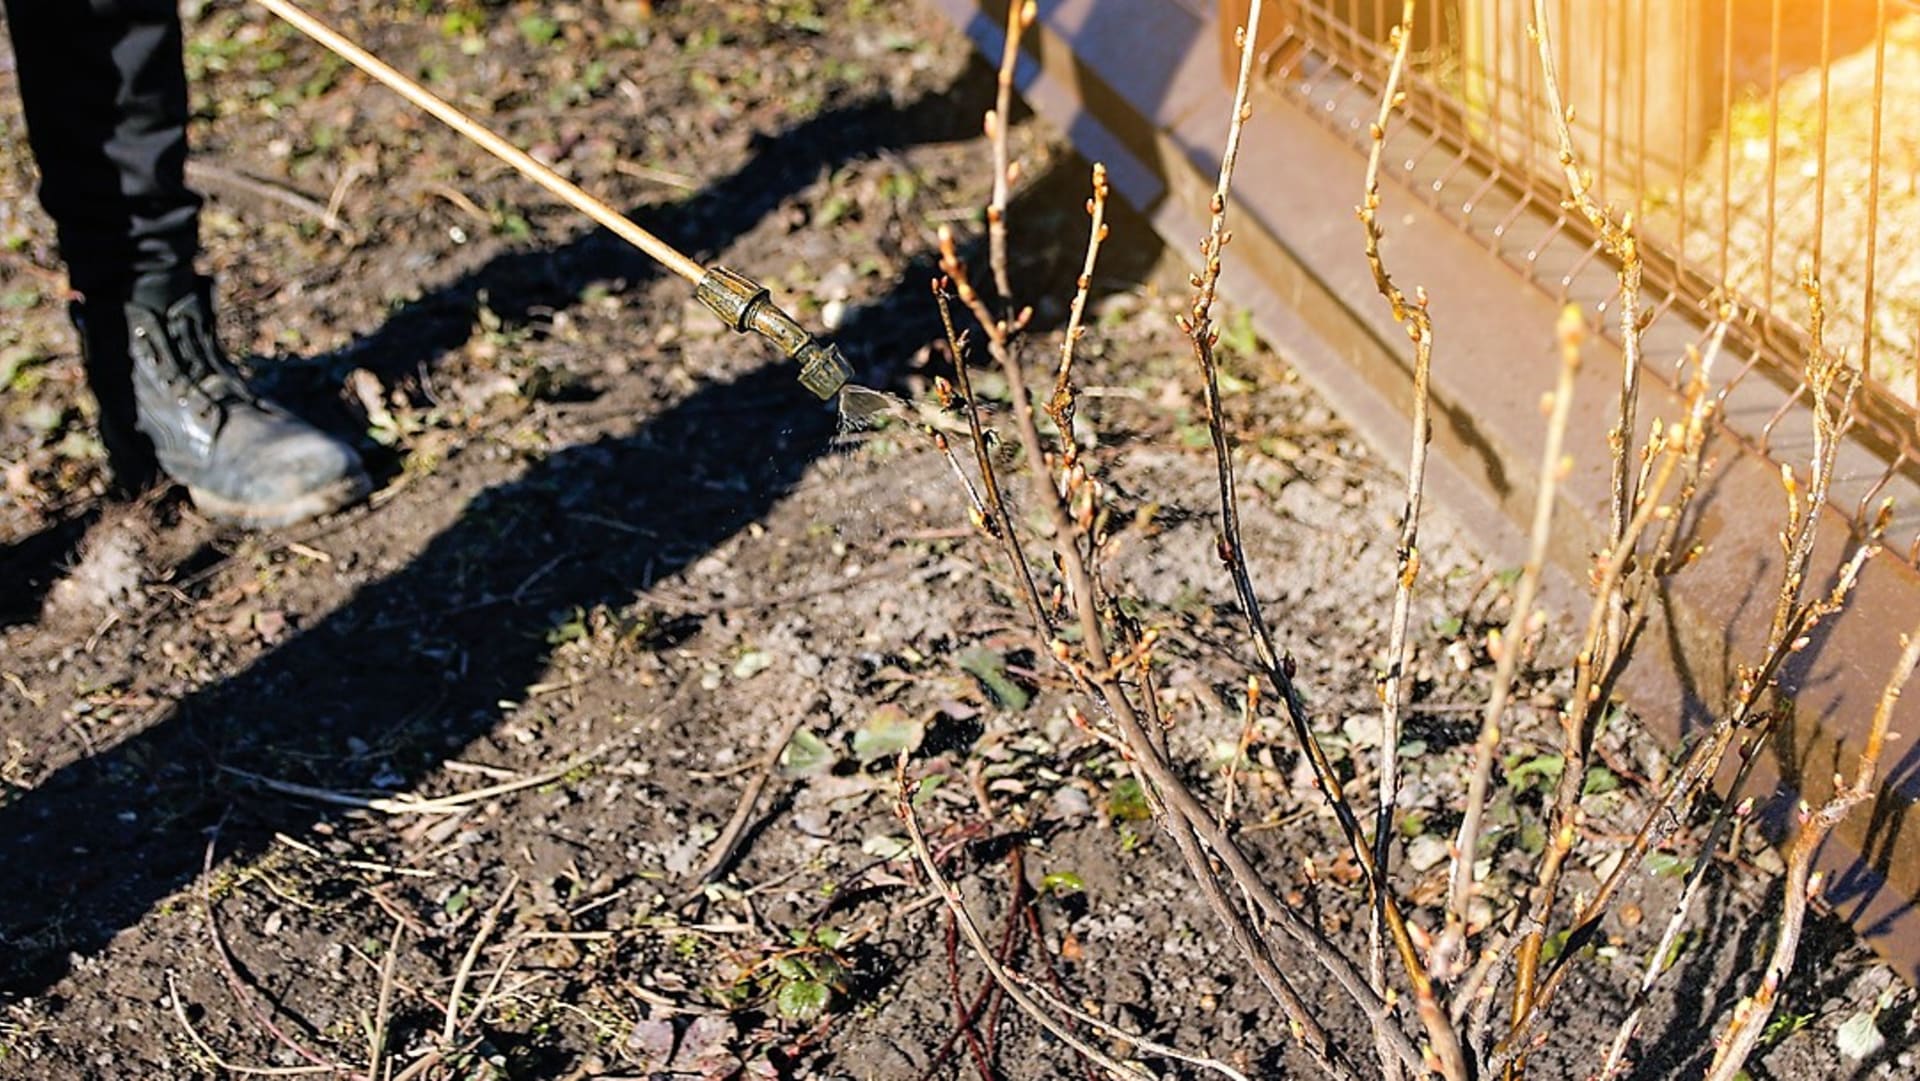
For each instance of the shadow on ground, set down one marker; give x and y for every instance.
(94, 847)
(30, 566)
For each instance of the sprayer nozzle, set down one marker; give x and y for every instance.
(745, 305)
(823, 370)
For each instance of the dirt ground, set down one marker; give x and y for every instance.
(614, 550)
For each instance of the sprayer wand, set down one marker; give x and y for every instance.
(739, 301)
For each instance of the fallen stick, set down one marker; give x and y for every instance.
(487, 924)
(382, 1013)
(238, 986)
(724, 846)
(194, 1037)
(205, 174)
(404, 804)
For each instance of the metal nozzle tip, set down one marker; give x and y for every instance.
(745, 305)
(823, 370)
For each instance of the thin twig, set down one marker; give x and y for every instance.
(975, 504)
(1676, 803)
(1618, 237)
(1020, 16)
(722, 851)
(656, 174)
(1001, 522)
(205, 173)
(1039, 937)
(408, 804)
(1749, 1022)
(359, 865)
(237, 985)
(1671, 451)
(426, 1062)
(377, 1042)
(1060, 406)
(1249, 716)
(963, 1030)
(1019, 900)
(194, 1037)
(1413, 315)
(1202, 335)
(493, 984)
(1115, 1032)
(1232, 914)
(354, 171)
(465, 971)
(1450, 952)
(1831, 387)
(1034, 1001)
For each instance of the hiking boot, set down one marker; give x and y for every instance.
(244, 460)
(109, 365)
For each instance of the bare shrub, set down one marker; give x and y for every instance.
(1442, 990)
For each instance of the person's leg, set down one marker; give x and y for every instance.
(105, 96)
(105, 93)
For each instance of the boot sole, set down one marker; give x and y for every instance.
(323, 500)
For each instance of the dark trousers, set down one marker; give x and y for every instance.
(106, 102)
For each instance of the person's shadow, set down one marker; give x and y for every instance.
(415, 665)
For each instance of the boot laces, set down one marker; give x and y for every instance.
(202, 363)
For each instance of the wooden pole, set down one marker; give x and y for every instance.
(525, 163)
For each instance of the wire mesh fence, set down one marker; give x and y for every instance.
(1753, 142)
